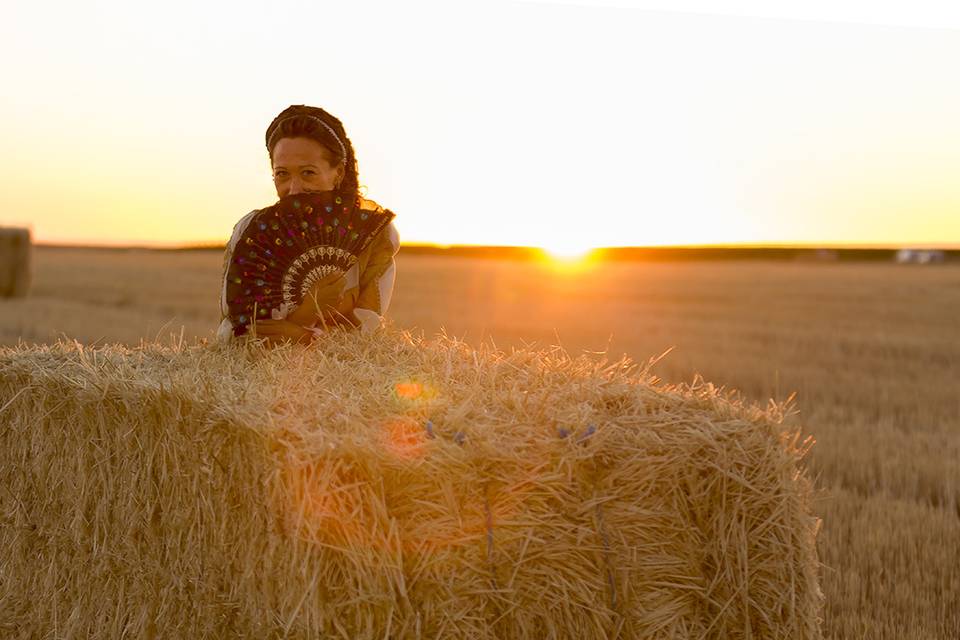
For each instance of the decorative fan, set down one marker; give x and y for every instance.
(287, 247)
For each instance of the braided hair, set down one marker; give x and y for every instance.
(301, 121)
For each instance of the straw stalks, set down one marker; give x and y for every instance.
(387, 486)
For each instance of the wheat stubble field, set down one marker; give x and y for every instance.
(871, 350)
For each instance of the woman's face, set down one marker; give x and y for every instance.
(300, 165)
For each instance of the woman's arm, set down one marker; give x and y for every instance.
(325, 296)
(364, 305)
(225, 331)
(376, 282)
(280, 331)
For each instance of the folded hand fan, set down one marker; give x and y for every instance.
(288, 246)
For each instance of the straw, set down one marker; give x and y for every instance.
(389, 486)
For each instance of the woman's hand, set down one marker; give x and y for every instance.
(278, 331)
(324, 297)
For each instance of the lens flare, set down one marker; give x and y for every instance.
(331, 500)
(404, 439)
(414, 393)
(409, 390)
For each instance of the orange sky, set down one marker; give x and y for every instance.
(565, 125)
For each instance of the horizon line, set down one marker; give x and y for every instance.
(933, 246)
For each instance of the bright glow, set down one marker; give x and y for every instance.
(568, 251)
(615, 126)
(409, 390)
(414, 391)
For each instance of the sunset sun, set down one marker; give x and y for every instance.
(568, 250)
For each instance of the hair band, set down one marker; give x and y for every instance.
(343, 149)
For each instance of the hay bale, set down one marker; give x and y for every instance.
(382, 486)
(15, 249)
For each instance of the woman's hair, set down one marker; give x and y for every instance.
(301, 121)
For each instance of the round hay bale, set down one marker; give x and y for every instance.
(15, 250)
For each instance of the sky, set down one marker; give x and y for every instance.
(566, 125)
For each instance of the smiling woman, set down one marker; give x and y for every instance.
(301, 165)
(290, 273)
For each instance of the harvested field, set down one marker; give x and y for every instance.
(872, 350)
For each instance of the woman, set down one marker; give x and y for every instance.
(309, 151)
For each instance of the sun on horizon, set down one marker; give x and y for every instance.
(568, 250)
